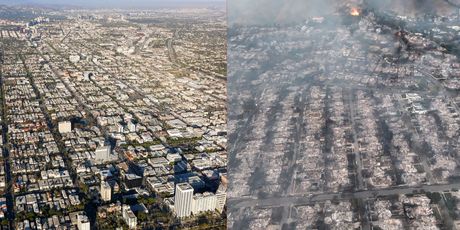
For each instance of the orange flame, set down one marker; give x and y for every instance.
(354, 11)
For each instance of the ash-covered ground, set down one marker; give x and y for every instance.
(346, 119)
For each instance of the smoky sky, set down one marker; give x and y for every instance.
(113, 3)
(281, 11)
(271, 11)
(417, 7)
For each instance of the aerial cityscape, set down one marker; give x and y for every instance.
(331, 114)
(113, 118)
(347, 119)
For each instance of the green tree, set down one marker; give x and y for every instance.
(142, 216)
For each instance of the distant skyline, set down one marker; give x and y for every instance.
(112, 3)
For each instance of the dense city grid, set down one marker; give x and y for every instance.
(104, 111)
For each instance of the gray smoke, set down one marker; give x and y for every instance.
(251, 12)
(276, 11)
(417, 8)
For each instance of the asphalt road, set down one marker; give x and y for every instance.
(359, 165)
(301, 200)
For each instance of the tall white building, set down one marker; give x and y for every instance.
(102, 153)
(186, 203)
(106, 191)
(183, 200)
(203, 202)
(129, 217)
(65, 127)
(83, 222)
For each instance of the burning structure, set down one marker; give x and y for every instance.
(354, 11)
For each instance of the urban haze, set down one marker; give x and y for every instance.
(343, 114)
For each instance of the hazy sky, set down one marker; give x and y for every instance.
(111, 3)
(281, 11)
(269, 11)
